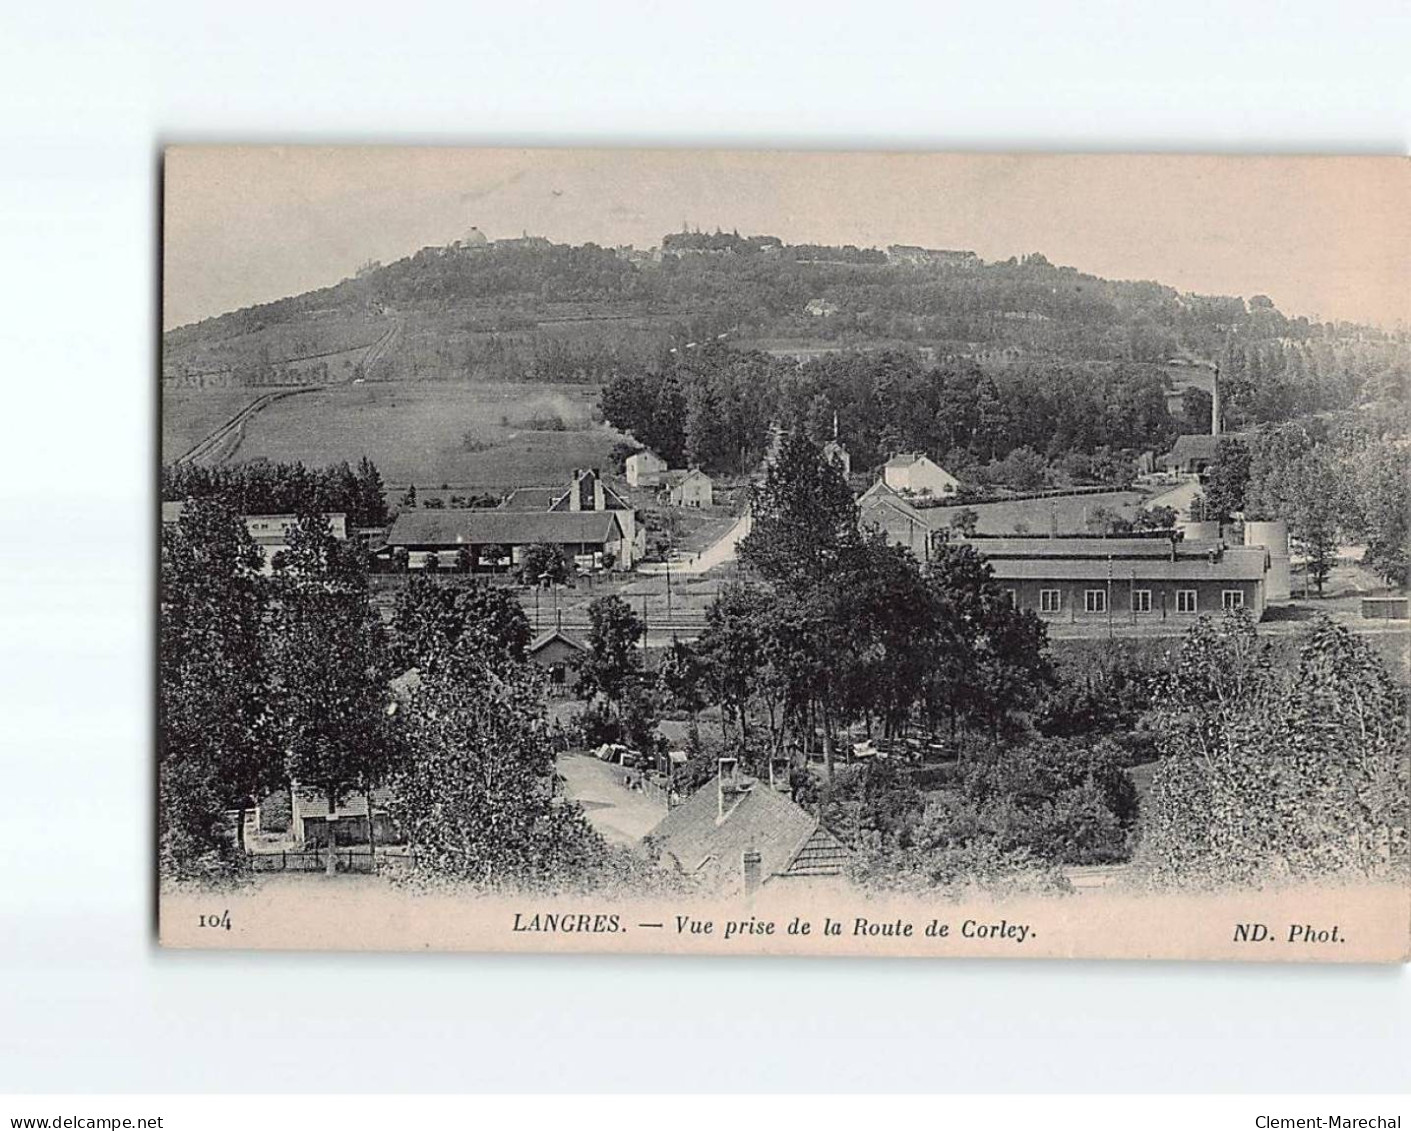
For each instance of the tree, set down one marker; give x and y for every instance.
(613, 663)
(434, 624)
(992, 658)
(1226, 480)
(1313, 493)
(217, 748)
(492, 555)
(409, 497)
(1023, 469)
(1108, 520)
(474, 794)
(544, 564)
(805, 519)
(496, 625)
(1063, 800)
(1379, 474)
(681, 678)
(966, 520)
(1155, 518)
(1268, 779)
(731, 650)
(372, 494)
(1113, 468)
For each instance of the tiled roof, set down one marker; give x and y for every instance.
(822, 854)
(1198, 445)
(482, 527)
(880, 495)
(696, 839)
(314, 803)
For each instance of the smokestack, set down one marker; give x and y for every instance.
(750, 865)
(1215, 403)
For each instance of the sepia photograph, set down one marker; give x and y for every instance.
(784, 552)
(727, 566)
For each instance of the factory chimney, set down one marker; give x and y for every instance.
(1215, 403)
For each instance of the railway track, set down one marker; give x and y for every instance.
(211, 442)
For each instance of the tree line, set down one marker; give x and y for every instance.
(266, 487)
(1330, 481)
(290, 680)
(757, 287)
(714, 406)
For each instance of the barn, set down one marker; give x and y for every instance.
(593, 539)
(1127, 580)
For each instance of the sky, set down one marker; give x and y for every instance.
(1326, 237)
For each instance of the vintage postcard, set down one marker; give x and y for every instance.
(788, 553)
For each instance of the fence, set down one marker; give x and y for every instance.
(352, 860)
(953, 503)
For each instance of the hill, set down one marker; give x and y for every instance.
(528, 309)
(1009, 372)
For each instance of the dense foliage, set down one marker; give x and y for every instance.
(715, 406)
(262, 487)
(1270, 777)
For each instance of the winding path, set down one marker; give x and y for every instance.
(722, 550)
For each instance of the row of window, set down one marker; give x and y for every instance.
(1095, 600)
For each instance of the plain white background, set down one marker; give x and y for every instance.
(91, 91)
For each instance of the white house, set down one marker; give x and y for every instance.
(644, 469)
(913, 473)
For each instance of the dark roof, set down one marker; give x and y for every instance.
(880, 495)
(904, 459)
(790, 841)
(314, 803)
(482, 527)
(1199, 445)
(544, 639)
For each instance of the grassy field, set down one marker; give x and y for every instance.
(189, 415)
(1071, 513)
(476, 436)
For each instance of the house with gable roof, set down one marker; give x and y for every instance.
(882, 509)
(914, 473)
(692, 488)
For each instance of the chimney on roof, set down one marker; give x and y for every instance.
(779, 775)
(751, 864)
(730, 785)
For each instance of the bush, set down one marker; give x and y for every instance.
(276, 812)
